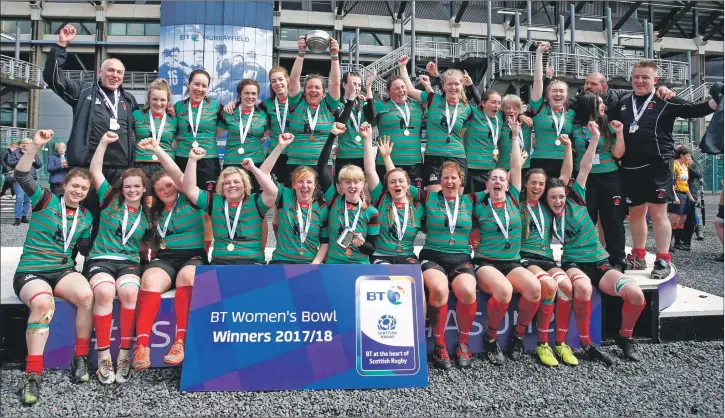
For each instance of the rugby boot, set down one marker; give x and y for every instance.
(627, 346)
(493, 351)
(463, 355)
(31, 389)
(516, 348)
(546, 355)
(661, 270)
(634, 263)
(123, 367)
(441, 359)
(567, 356)
(176, 354)
(80, 369)
(141, 358)
(595, 353)
(105, 372)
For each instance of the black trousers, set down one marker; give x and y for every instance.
(606, 203)
(689, 227)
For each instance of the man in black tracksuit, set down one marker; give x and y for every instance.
(97, 108)
(647, 163)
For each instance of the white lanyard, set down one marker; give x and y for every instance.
(561, 237)
(152, 125)
(282, 122)
(539, 225)
(405, 115)
(125, 237)
(233, 228)
(559, 124)
(313, 122)
(494, 133)
(195, 127)
(454, 218)
(112, 107)
(243, 132)
(357, 217)
(304, 226)
(401, 231)
(68, 237)
(162, 232)
(356, 121)
(505, 232)
(520, 134)
(638, 113)
(451, 121)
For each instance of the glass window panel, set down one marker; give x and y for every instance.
(117, 28)
(152, 29)
(134, 29)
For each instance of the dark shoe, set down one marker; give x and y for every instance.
(595, 353)
(661, 270)
(627, 346)
(699, 233)
(31, 389)
(516, 349)
(441, 359)
(80, 369)
(17, 222)
(24, 220)
(463, 355)
(634, 263)
(683, 246)
(493, 351)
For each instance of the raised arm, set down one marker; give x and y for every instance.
(425, 81)
(516, 161)
(96, 168)
(369, 110)
(471, 91)
(296, 73)
(66, 89)
(173, 170)
(22, 169)
(268, 186)
(191, 190)
(618, 148)
(371, 175)
(338, 128)
(585, 166)
(284, 140)
(402, 66)
(335, 73)
(538, 90)
(567, 167)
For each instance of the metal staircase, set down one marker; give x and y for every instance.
(20, 73)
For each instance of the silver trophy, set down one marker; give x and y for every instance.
(318, 41)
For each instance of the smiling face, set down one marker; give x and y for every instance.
(314, 91)
(111, 74)
(492, 105)
(304, 187)
(601, 108)
(556, 198)
(165, 189)
(450, 182)
(558, 94)
(158, 100)
(643, 80)
(535, 186)
(233, 187)
(398, 185)
(76, 189)
(250, 94)
(198, 87)
(452, 86)
(352, 189)
(279, 83)
(397, 92)
(133, 189)
(60, 148)
(595, 84)
(497, 185)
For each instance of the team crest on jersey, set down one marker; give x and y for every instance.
(617, 200)
(433, 177)
(93, 268)
(624, 107)
(651, 105)
(660, 194)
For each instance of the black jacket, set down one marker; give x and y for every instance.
(81, 96)
(15, 156)
(610, 96)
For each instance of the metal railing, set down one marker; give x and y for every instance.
(9, 134)
(131, 79)
(18, 70)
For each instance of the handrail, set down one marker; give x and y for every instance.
(137, 79)
(10, 133)
(13, 69)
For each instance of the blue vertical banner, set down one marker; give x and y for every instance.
(229, 40)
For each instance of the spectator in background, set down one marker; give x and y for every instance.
(696, 183)
(7, 183)
(57, 168)
(22, 200)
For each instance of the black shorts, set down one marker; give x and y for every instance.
(649, 184)
(551, 167)
(432, 168)
(415, 173)
(292, 167)
(393, 259)
(595, 271)
(719, 216)
(50, 277)
(116, 268)
(452, 265)
(233, 262)
(207, 171)
(679, 208)
(505, 267)
(279, 171)
(173, 261)
(476, 180)
(546, 264)
(342, 162)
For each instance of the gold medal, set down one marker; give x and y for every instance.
(301, 250)
(451, 241)
(406, 132)
(400, 248)
(162, 245)
(558, 141)
(230, 247)
(194, 144)
(358, 138)
(240, 151)
(348, 252)
(154, 157)
(312, 137)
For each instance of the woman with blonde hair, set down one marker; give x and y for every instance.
(511, 105)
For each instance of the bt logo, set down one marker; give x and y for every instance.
(394, 295)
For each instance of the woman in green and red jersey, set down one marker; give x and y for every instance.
(401, 216)
(445, 115)
(234, 210)
(311, 119)
(584, 259)
(153, 121)
(112, 267)
(552, 118)
(511, 106)
(179, 244)
(301, 214)
(46, 267)
(605, 190)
